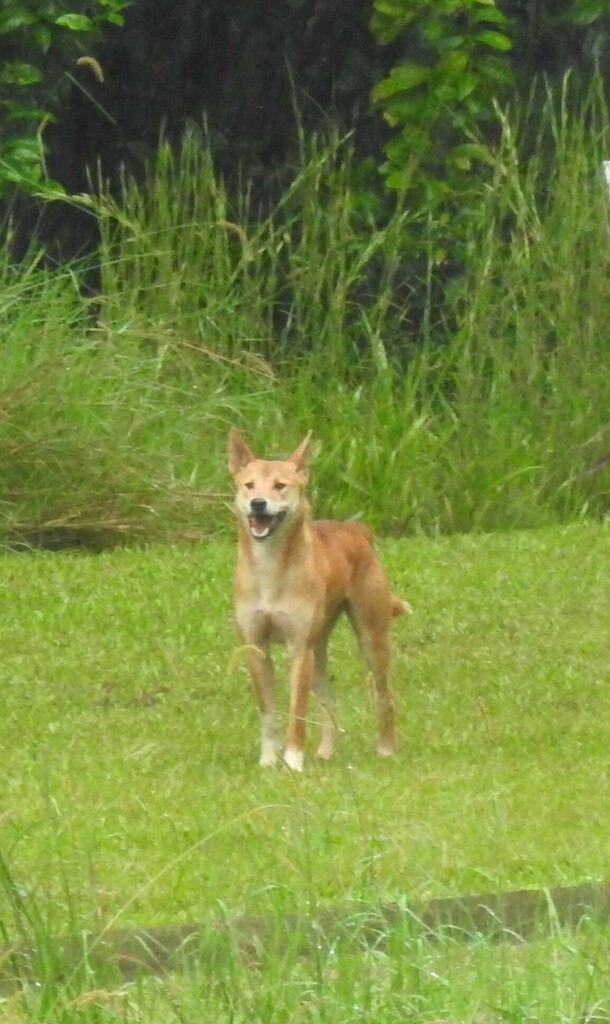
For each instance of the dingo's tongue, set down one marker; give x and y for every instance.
(261, 526)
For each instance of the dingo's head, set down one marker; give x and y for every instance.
(267, 492)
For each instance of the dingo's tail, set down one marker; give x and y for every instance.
(400, 607)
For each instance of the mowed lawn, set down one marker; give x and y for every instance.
(129, 786)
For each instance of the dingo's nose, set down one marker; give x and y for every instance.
(258, 505)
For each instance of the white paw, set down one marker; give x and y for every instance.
(294, 759)
(267, 759)
(384, 750)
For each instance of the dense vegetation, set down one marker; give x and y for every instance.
(444, 336)
(116, 408)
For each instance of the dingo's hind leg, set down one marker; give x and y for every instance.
(323, 692)
(370, 618)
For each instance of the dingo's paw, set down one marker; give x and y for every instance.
(267, 759)
(294, 759)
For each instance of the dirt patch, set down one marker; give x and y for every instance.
(520, 915)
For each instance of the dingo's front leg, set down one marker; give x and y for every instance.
(324, 694)
(301, 679)
(260, 667)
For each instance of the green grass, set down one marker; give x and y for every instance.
(132, 786)
(565, 979)
(130, 791)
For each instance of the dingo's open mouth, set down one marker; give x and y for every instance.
(262, 526)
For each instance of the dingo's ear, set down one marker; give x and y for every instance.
(239, 453)
(299, 457)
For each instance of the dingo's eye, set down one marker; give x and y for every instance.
(249, 485)
(279, 486)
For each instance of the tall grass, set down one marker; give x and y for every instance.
(114, 413)
(531, 352)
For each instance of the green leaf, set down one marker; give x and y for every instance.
(583, 12)
(42, 35)
(452, 64)
(495, 39)
(489, 14)
(388, 21)
(393, 8)
(25, 148)
(398, 179)
(50, 189)
(450, 42)
(19, 112)
(464, 154)
(406, 76)
(498, 69)
(433, 29)
(468, 83)
(76, 22)
(395, 11)
(14, 18)
(18, 73)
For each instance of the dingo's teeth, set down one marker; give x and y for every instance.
(262, 526)
(260, 529)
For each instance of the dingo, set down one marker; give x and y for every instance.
(294, 578)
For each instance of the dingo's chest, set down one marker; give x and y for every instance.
(264, 614)
(268, 607)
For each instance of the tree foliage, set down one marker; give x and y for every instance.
(439, 95)
(38, 43)
(552, 37)
(262, 76)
